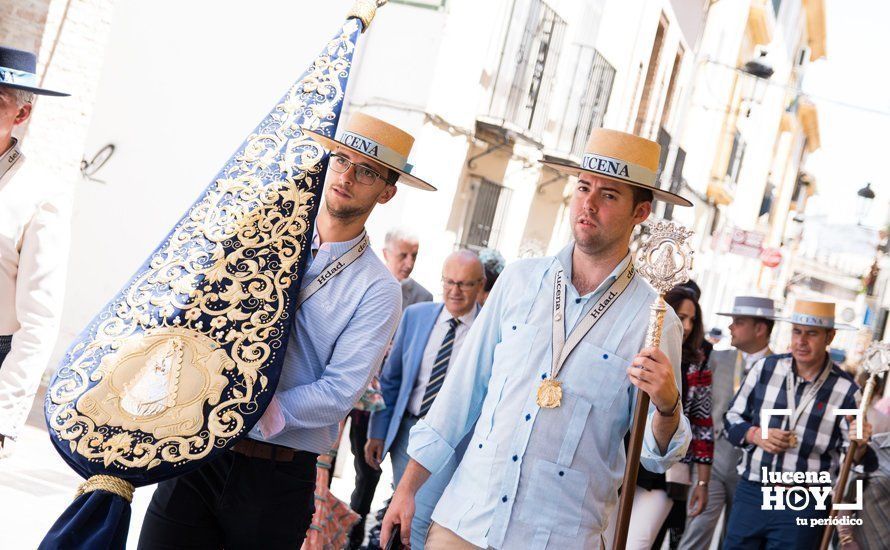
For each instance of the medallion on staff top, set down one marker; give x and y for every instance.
(665, 260)
(877, 362)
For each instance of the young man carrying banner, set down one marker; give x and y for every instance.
(262, 491)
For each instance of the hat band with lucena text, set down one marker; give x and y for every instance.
(374, 150)
(20, 78)
(618, 169)
(812, 320)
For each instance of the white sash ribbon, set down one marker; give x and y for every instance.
(562, 347)
(333, 269)
(9, 159)
(791, 393)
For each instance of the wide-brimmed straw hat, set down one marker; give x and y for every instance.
(815, 314)
(379, 141)
(752, 306)
(621, 157)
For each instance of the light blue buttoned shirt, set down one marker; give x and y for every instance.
(337, 340)
(543, 478)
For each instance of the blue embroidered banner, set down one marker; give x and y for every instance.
(185, 359)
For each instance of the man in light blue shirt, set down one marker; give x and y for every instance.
(429, 336)
(261, 494)
(535, 475)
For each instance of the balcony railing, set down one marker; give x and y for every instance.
(587, 100)
(529, 55)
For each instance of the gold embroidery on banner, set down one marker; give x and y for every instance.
(136, 394)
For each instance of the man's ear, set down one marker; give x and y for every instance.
(23, 114)
(387, 194)
(642, 211)
(760, 330)
(829, 337)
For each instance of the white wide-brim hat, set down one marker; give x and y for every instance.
(753, 306)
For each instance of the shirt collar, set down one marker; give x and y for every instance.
(7, 152)
(800, 379)
(335, 249)
(565, 258)
(757, 355)
(465, 319)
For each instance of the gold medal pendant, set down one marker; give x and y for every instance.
(550, 394)
(792, 440)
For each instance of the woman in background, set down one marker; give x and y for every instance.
(493, 263)
(660, 502)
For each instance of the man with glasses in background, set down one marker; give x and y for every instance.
(400, 248)
(429, 335)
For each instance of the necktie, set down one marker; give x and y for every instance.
(437, 376)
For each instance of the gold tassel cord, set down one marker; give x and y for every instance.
(365, 10)
(110, 484)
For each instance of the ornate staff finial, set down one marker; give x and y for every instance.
(876, 363)
(665, 259)
(877, 358)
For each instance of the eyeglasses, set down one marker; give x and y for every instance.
(461, 285)
(363, 174)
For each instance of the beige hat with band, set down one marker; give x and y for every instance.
(623, 157)
(815, 314)
(379, 141)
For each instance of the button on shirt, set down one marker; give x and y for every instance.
(531, 477)
(432, 349)
(338, 338)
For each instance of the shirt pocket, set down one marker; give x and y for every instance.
(476, 466)
(511, 354)
(555, 498)
(599, 375)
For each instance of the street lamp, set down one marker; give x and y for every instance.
(761, 70)
(864, 198)
(759, 67)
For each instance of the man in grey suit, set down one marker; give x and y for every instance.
(399, 254)
(751, 328)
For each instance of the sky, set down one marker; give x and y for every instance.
(855, 143)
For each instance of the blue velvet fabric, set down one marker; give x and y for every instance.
(100, 519)
(95, 521)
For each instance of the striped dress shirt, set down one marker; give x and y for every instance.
(822, 436)
(338, 340)
(434, 342)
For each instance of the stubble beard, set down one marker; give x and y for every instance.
(347, 213)
(594, 245)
